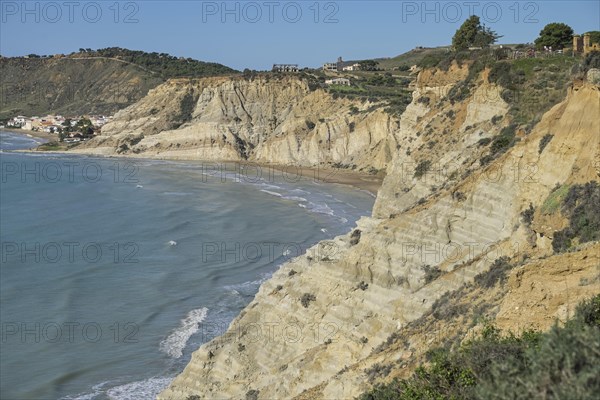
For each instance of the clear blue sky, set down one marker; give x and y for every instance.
(256, 34)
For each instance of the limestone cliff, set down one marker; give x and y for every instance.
(279, 121)
(442, 216)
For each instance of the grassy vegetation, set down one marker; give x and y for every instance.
(555, 199)
(375, 87)
(563, 363)
(164, 64)
(52, 146)
(410, 58)
(532, 85)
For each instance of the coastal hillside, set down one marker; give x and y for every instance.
(88, 82)
(480, 220)
(268, 119)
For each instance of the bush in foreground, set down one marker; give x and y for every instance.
(563, 363)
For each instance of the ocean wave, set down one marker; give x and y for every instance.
(140, 390)
(268, 185)
(300, 191)
(321, 209)
(177, 193)
(294, 198)
(249, 284)
(97, 390)
(271, 193)
(174, 344)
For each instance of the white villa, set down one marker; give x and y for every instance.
(338, 81)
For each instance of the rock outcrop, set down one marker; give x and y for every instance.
(442, 216)
(280, 121)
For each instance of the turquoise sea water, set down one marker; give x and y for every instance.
(113, 271)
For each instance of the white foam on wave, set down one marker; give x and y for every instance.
(140, 390)
(246, 285)
(269, 186)
(174, 344)
(300, 191)
(177, 193)
(271, 193)
(321, 209)
(97, 390)
(294, 198)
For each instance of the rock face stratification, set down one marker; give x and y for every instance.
(312, 333)
(280, 121)
(452, 202)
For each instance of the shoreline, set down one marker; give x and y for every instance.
(358, 180)
(32, 134)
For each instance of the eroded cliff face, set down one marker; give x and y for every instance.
(277, 121)
(313, 333)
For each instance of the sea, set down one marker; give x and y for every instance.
(113, 271)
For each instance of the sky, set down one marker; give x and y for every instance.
(257, 34)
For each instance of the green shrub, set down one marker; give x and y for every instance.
(484, 142)
(563, 363)
(378, 370)
(422, 168)
(527, 215)
(424, 100)
(431, 273)
(306, 299)
(355, 237)
(448, 307)
(496, 273)
(582, 206)
(504, 140)
(500, 74)
(544, 142)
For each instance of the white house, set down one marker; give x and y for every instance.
(330, 67)
(338, 81)
(353, 67)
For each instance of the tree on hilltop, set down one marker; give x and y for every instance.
(473, 34)
(556, 35)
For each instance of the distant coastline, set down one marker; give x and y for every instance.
(369, 183)
(36, 134)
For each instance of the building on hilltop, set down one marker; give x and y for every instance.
(330, 67)
(338, 81)
(352, 67)
(285, 68)
(341, 66)
(583, 44)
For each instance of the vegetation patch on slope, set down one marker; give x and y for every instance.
(561, 363)
(581, 206)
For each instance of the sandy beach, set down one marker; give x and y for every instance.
(36, 134)
(367, 182)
